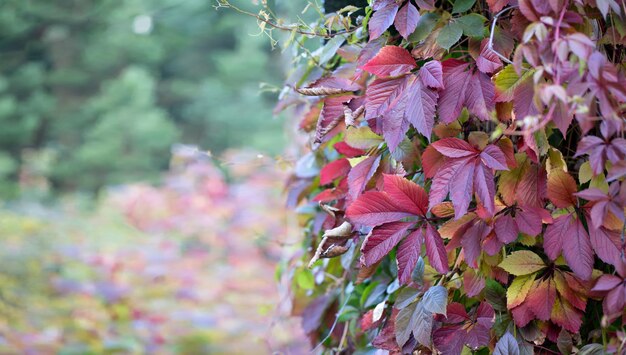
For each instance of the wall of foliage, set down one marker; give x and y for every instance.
(463, 188)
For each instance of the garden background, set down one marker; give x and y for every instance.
(141, 171)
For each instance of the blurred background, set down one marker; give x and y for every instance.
(140, 184)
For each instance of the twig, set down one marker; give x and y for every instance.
(493, 28)
(226, 4)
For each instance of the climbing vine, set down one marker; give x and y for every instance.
(463, 188)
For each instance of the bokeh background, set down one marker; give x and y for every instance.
(141, 169)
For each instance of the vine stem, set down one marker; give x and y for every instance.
(290, 28)
(493, 31)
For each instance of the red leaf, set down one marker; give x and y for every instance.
(360, 175)
(523, 103)
(456, 83)
(420, 109)
(390, 61)
(435, 250)
(496, 5)
(484, 186)
(331, 115)
(375, 208)
(381, 240)
(493, 157)
(454, 148)
(541, 300)
(382, 19)
(441, 182)
(334, 170)
(406, 193)
(529, 220)
(569, 235)
(381, 93)
(431, 74)
(472, 283)
(561, 189)
(406, 20)
(506, 229)
(432, 161)
(471, 242)
(480, 96)
(461, 187)
(408, 252)
(487, 61)
(349, 152)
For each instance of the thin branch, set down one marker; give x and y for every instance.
(288, 28)
(493, 31)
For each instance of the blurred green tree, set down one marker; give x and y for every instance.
(105, 87)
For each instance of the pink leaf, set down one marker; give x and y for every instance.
(408, 252)
(406, 193)
(381, 93)
(485, 187)
(381, 240)
(506, 229)
(420, 109)
(390, 61)
(480, 96)
(382, 19)
(461, 189)
(431, 74)
(552, 238)
(456, 82)
(360, 175)
(607, 244)
(577, 249)
(441, 182)
(454, 148)
(487, 61)
(435, 250)
(406, 20)
(493, 157)
(606, 283)
(523, 104)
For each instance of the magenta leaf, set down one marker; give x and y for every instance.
(406, 19)
(390, 61)
(480, 96)
(435, 250)
(431, 74)
(408, 252)
(456, 81)
(382, 240)
(406, 193)
(382, 19)
(360, 175)
(375, 208)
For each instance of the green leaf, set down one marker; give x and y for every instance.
(424, 27)
(449, 35)
(522, 262)
(405, 297)
(436, 300)
(462, 6)
(472, 25)
(362, 138)
(305, 279)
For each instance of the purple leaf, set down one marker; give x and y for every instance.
(406, 20)
(382, 19)
(431, 74)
